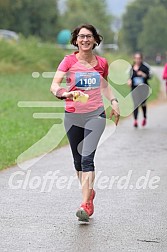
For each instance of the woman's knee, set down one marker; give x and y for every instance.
(77, 164)
(87, 163)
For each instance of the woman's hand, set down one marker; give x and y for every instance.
(72, 94)
(140, 73)
(115, 112)
(129, 82)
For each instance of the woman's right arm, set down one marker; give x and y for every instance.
(129, 81)
(61, 92)
(56, 83)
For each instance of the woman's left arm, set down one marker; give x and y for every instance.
(146, 74)
(108, 93)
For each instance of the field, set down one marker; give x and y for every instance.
(18, 129)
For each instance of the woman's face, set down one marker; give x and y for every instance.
(138, 59)
(85, 40)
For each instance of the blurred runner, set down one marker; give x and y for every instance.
(140, 76)
(165, 75)
(158, 59)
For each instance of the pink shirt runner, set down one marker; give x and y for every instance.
(165, 72)
(88, 80)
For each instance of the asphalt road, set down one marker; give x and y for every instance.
(126, 219)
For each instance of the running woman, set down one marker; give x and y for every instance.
(140, 76)
(165, 75)
(86, 79)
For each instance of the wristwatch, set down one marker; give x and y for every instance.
(114, 99)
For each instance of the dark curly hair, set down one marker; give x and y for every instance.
(98, 38)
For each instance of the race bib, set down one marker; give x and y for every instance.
(87, 80)
(137, 81)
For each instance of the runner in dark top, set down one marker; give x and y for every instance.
(140, 76)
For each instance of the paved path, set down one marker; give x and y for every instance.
(124, 220)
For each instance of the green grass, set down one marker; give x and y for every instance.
(18, 129)
(28, 55)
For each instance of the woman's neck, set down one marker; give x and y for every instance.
(86, 56)
(137, 65)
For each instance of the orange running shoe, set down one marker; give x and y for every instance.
(84, 212)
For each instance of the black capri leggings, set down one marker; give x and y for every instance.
(84, 132)
(140, 95)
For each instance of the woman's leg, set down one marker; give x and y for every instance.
(93, 131)
(135, 97)
(139, 95)
(135, 113)
(87, 185)
(79, 174)
(86, 136)
(86, 178)
(144, 109)
(75, 135)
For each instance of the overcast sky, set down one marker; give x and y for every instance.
(116, 7)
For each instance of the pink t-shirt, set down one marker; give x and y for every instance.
(88, 80)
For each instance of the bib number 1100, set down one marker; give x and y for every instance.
(88, 81)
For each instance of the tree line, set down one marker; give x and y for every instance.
(144, 27)
(143, 24)
(42, 18)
